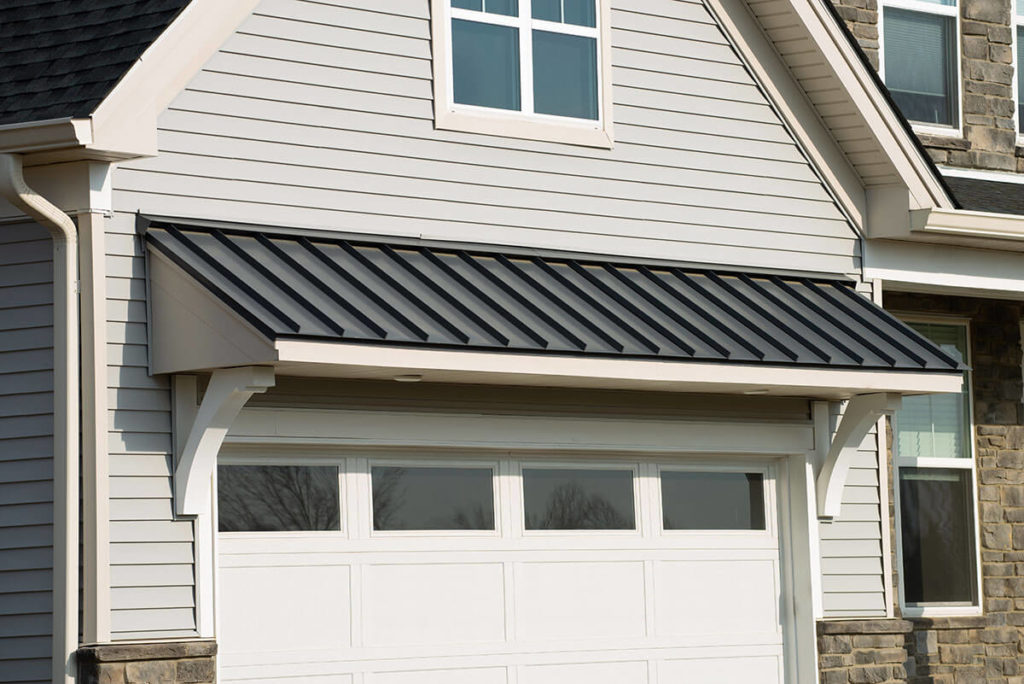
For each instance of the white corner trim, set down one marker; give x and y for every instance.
(862, 412)
(227, 393)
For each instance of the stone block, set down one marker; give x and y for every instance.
(999, 635)
(870, 675)
(986, 10)
(1001, 54)
(1018, 536)
(196, 670)
(926, 641)
(1011, 459)
(835, 677)
(829, 661)
(996, 536)
(1000, 34)
(877, 640)
(151, 672)
(991, 512)
(960, 654)
(835, 644)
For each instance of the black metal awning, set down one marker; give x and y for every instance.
(312, 287)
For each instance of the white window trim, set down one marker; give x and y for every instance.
(1016, 23)
(942, 10)
(510, 124)
(939, 610)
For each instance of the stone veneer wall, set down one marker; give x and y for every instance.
(191, 662)
(990, 647)
(987, 71)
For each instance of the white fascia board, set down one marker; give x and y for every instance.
(43, 136)
(852, 75)
(125, 121)
(329, 359)
(944, 269)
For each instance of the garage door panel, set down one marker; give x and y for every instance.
(591, 673)
(581, 599)
(509, 605)
(313, 601)
(477, 675)
(716, 597)
(411, 604)
(739, 669)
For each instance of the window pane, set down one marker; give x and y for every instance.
(548, 10)
(580, 12)
(507, 7)
(564, 75)
(1020, 8)
(712, 501)
(485, 64)
(432, 498)
(936, 425)
(937, 524)
(1020, 73)
(277, 498)
(577, 499)
(469, 4)
(920, 71)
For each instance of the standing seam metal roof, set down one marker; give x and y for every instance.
(361, 291)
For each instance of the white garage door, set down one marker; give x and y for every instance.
(530, 570)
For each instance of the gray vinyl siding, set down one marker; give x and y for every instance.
(321, 114)
(853, 578)
(26, 453)
(151, 554)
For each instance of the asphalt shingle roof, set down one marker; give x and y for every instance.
(60, 58)
(984, 195)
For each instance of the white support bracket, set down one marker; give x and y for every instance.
(225, 396)
(862, 412)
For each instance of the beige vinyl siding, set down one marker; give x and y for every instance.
(320, 114)
(26, 453)
(151, 555)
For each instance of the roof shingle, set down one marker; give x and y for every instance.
(60, 58)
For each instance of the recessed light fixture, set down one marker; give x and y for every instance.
(757, 391)
(408, 378)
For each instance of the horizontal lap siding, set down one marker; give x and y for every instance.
(151, 555)
(26, 453)
(853, 579)
(321, 114)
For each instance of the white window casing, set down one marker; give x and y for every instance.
(525, 123)
(1018, 56)
(931, 9)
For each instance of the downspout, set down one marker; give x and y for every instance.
(65, 408)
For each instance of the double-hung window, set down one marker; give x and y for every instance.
(523, 68)
(935, 491)
(1019, 27)
(920, 60)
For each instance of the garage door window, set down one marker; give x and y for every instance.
(432, 498)
(692, 500)
(578, 499)
(277, 498)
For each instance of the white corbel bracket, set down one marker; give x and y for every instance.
(862, 411)
(225, 396)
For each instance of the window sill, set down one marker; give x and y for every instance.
(510, 126)
(939, 614)
(941, 132)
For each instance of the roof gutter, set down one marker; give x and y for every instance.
(65, 408)
(43, 136)
(968, 224)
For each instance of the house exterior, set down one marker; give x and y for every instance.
(448, 341)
